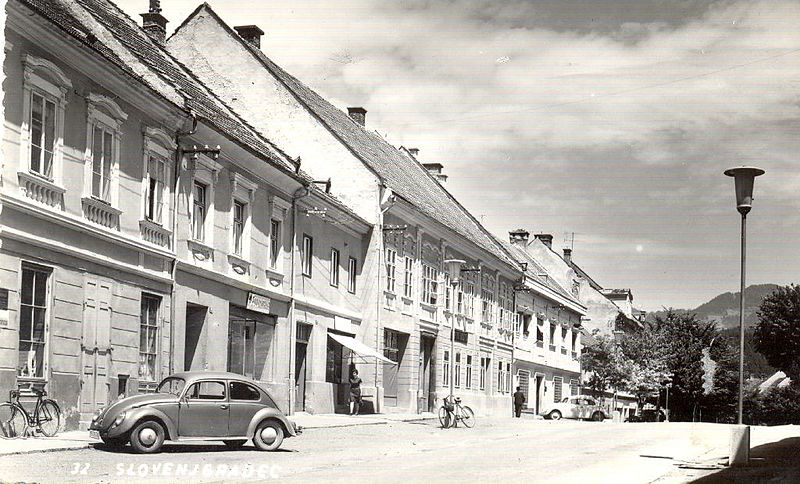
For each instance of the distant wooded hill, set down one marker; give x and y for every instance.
(724, 310)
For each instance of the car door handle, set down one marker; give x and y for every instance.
(223, 407)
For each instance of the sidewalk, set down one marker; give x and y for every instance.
(79, 439)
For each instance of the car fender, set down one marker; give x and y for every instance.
(270, 413)
(135, 415)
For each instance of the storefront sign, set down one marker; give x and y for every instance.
(258, 303)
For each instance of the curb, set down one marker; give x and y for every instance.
(52, 449)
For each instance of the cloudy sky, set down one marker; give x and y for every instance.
(609, 120)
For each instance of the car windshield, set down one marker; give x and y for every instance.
(171, 385)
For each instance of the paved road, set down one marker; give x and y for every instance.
(508, 449)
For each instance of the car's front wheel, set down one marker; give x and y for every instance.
(555, 415)
(598, 416)
(147, 437)
(268, 435)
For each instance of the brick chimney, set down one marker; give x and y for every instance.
(155, 24)
(519, 236)
(435, 169)
(414, 151)
(251, 34)
(359, 115)
(547, 239)
(567, 255)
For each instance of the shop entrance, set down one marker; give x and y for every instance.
(193, 358)
(394, 348)
(250, 344)
(300, 365)
(427, 383)
(539, 392)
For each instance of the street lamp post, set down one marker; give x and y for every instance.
(744, 178)
(454, 269)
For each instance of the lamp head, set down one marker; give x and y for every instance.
(744, 177)
(454, 269)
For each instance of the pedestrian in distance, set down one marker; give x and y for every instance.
(519, 401)
(355, 392)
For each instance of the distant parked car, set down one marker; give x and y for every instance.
(195, 406)
(577, 407)
(648, 415)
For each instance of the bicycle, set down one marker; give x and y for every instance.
(16, 422)
(451, 412)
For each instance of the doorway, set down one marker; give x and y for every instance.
(394, 346)
(95, 347)
(195, 322)
(524, 377)
(539, 392)
(426, 378)
(301, 366)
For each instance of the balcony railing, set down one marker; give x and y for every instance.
(155, 233)
(552, 347)
(100, 212)
(539, 344)
(41, 190)
(563, 351)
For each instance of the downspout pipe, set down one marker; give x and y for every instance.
(174, 242)
(301, 192)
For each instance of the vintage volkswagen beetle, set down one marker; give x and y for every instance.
(195, 406)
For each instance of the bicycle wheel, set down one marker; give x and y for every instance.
(467, 417)
(49, 418)
(12, 421)
(444, 417)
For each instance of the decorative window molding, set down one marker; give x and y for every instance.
(243, 192)
(156, 177)
(45, 95)
(104, 119)
(279, 207)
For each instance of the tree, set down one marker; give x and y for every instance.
(777, 335)
(606, 364)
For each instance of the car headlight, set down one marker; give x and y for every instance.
(118, 421)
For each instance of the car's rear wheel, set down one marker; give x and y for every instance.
(268, 435)
(555, 415)
(234, 444)
(598, 416)
(147, 437)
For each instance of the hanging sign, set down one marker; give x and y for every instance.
(258, 303)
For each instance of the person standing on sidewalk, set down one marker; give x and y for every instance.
(519, 401)
(355, 392)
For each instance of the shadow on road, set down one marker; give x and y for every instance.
(183, 448)
(774, 462)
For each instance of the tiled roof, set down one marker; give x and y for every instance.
(125, 44)
(536, 271)
(403, 174)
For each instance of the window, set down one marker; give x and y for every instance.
(334, 361)
(391, 259)
(102, 160)
(199, 209)
(508, 377)
(487, 294)
(408, 277)
(352, 272)
(334, 277)
(469, 297)
(42, 122)
(274, 242)
(552, 340)
(207, 390)
(430, 290)
(158, 149)
(446, 368)
(239, 216)
(33, 316)
(457, 370)
(243, 391)
(468, 379)
(448, 294)
(557, 390)
(460, 297)
(574, 388)
(44, 99)
(524, 320)
(307, 255)
(391, 345)
(156, 184)
(485, 363)
(574, 344)
(104, 136)
(563, 340)
(500, 378)
(539, 337)
(148, 337)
